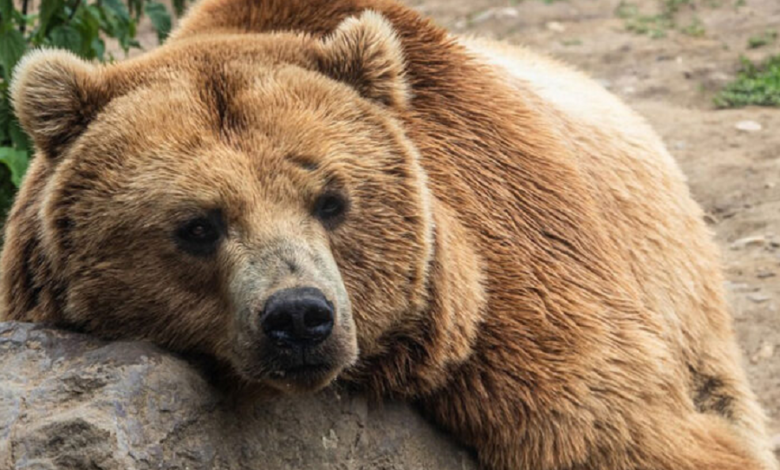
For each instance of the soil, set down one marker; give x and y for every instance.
(671, 81)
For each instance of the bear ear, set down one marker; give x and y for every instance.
(56, 95)
(366, 53)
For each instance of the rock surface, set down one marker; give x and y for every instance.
(68, 401)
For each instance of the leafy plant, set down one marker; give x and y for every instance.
(657, 25)
(80, 26)
(757, 85)
(695, 28)
(763, 39)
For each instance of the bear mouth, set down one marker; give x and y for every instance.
(302, 372)
(291, 368)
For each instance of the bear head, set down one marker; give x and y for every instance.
(250, 197)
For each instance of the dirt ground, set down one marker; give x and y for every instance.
(671, 81)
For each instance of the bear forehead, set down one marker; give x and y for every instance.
(250, 94)
(209, 55)
(233, 133)
(231, 75)
(290, 109)
(200, 140)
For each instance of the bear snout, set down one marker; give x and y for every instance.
(300, 317)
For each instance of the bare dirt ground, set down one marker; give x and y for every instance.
(671, 81)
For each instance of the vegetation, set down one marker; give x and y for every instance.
(763, 39)
(657, 25)
(80, 26)
(756, 84)
(572, 42)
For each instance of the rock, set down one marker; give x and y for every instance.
(483, 16)
(71, 401)
(508, 12)
(740, 287)
(710, 219)
(748, 242)
(748, 126)
(776, 443)
(758, 297)
(556, 26)
(766, 351)
(498, 13)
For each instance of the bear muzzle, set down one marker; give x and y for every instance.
(293, 328)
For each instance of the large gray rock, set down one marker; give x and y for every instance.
(68, 401)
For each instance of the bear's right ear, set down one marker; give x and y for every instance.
(56, 95)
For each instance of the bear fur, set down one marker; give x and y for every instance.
(520, 255)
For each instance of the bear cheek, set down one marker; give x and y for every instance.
(185, 316)
(384, 260)
(380, 296)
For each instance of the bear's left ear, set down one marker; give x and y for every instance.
(365, 53)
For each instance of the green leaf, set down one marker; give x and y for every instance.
(160, 18)
(6, 10)
(178, 6)
(87, 23)
(117, 8)
(6, 198)
(87, 20)
(98, 49)
(19, 138)
(49, 9)
(108, 21)
(16, 161)
(756, 85)
(136, 7)
(66, 37)
(116, 22)
(12, 47)
(5, 120)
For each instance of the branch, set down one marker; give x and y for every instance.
(74, 10)
(23, 26)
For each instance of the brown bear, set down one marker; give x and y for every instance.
(312, 190)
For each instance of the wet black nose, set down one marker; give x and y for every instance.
(298, 317)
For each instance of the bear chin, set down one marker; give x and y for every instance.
(298, 370)
(303, 379)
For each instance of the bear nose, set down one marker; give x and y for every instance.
(298, 317)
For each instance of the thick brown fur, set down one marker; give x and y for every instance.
(538, 279)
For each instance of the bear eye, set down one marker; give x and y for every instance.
(330, 209)
(200, 236)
